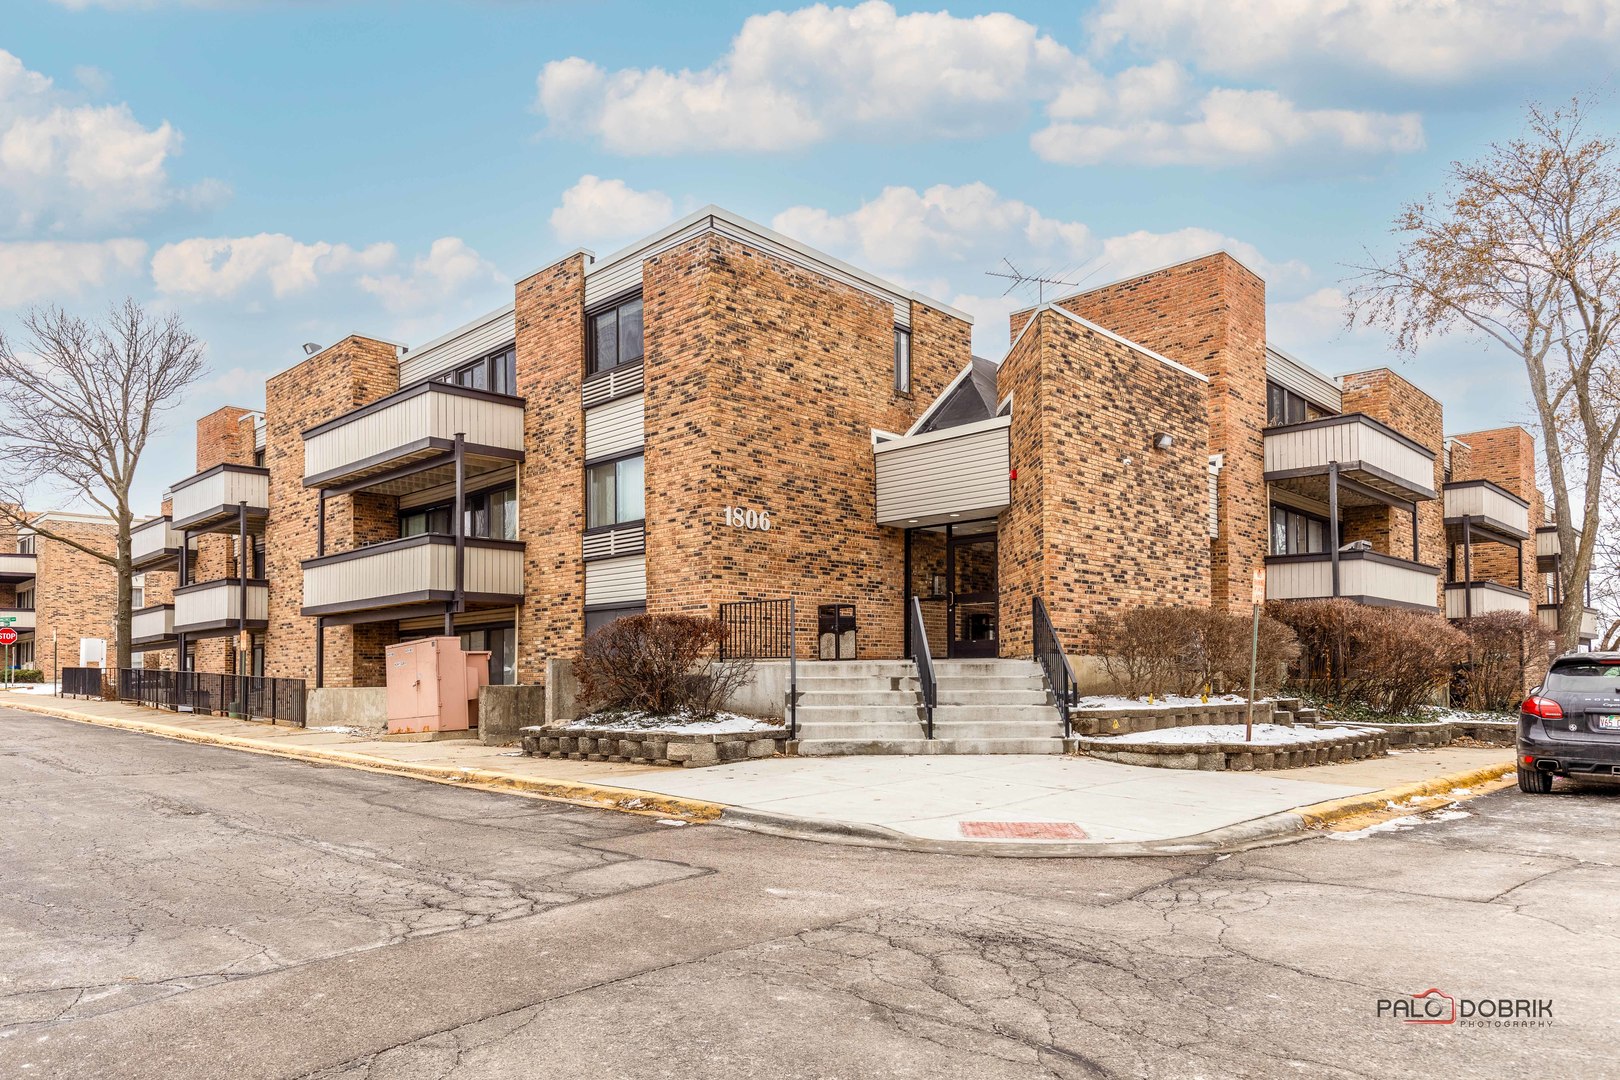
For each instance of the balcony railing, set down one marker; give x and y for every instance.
(16, 567)
(1548, 614)
(22, 619)
(1547, 545)
(211, 608)
(152, 625)
(154, 544)
(416, 570)
(211, 499)
(1369, 577)
(410, 428)
(1489, 507)
(1483, 598)
(1366, 451)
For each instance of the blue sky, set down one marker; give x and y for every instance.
(282, 172)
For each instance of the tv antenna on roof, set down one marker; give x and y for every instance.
(1019, 279)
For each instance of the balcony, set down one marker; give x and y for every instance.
(1488, 508)
(954, 474)
(405, 441)
(1368, 577)
(152, 626)
(1375, 463)
(154, 545)
(412, 576)
(1548, 614)
(214, 608)
(1483, 598)
(22, 619)
(211, 501)
(15, 568)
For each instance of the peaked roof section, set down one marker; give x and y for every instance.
(1065, 313)
(966, 399)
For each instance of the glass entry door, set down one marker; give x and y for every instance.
(970, 566)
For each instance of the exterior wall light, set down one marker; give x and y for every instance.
(1162, 440)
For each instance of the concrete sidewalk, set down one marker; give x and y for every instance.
(990, 805)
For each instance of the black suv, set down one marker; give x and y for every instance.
(1570, 724)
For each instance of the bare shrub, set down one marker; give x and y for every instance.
(1390, 660)
(1503, 647)
(659, 664)
(1174, 650)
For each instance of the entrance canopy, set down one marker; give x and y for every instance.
(936, 477)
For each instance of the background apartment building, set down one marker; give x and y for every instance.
(718, 413)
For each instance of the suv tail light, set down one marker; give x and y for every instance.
(1546, 708)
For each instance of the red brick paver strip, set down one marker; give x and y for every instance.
(1022, 830)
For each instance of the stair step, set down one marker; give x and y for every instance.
(861, 683)
(846, 748)
(829, 699)
(854, 714)
(1035, 698)
(857, 732)
(987, 713)
(1005, 729)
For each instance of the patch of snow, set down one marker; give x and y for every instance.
(671, 821)
(723, 723)
(338, 729)
(1170, 701)
(1400, 824)
(1264, 735)
(29, 688)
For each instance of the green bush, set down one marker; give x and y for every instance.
(27, 674)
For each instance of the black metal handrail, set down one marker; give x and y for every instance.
(924, 659)
(765, 630)
(1053, 660)
(253, 696)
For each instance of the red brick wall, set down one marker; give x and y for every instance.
(340, 378)
(1506, 457)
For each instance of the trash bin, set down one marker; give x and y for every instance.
(835, 631)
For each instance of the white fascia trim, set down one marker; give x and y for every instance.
(904, 442)
(1217, 462)
(64, 515)
(880, 436)
(940, 400)
(467, 328)
(1105, 332)
(1150, 273)
(1452, 439)
(809, 253)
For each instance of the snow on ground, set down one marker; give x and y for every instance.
(1400, 824)
(31, 688)
(337, 729)
(723, 723)
(1436, 714)
(1264, 735)
(1169, 701)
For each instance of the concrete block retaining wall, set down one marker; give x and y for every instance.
(1489, 732)
(651, 747)
(1234, 757)
(1127, 721)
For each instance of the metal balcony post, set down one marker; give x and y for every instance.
(1333, 521)
(245, 556)
(1468, 566)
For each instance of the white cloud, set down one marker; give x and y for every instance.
(1137, 252)
(53, 270)
(1228, 127)
(1415, 41)
(224, 266)
(795, 78)
(446, 271)
(66, 166)
(595, 209)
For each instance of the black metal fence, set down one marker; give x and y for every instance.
(1054, 662)
(276, 700)
(757, 630)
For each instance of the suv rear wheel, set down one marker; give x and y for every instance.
(1535, 782)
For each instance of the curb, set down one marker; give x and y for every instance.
(597, 796)
(1320, 814)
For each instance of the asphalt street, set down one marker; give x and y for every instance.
(171, 910)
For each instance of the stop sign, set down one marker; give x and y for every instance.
(8, 636)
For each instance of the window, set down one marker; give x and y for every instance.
(1295, 533)
(502, 645)
(25, 544)
(902, 361)
(1283, 406)
(615, 337)
(258, 458)
(137, 592)
(25, 599)
(491, 515)
(496, 372)
(614, 492)
(597, 618)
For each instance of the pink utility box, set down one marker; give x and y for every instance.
(432, 685)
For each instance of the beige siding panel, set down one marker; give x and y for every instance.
(1546, 545)
(615, 428)
(433, 415)
(418, 568)
(13, 564)
(1485, 602)
(1316, 447)
(479, 338)
(611, 281)
(220, 601)
(616, 581)
(225, 488)
(1308, 383)
(151, 538)
(494, 570)
(1299, 580)
(1481, 501)
(159, 622)
(1357, 577)
(930, 480)
(21, 621)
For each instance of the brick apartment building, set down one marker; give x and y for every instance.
(719, 413)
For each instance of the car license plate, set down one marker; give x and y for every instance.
(1610, 722)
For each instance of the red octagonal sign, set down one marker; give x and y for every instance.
(8, 636)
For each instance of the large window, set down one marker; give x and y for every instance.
(489, 514)
(1283, 406)
(1296, 533)
(615, 492)
(25, 544)
(902, 361)
(615, 336)
(496, 372)
(596, 618)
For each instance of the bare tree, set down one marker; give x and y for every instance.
(1606, 559)
(1524, 251)
(77, 407)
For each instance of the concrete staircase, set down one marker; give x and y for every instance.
(875, 707)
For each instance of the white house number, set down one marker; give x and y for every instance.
(741, 517)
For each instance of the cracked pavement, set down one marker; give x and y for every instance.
(176, 910)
